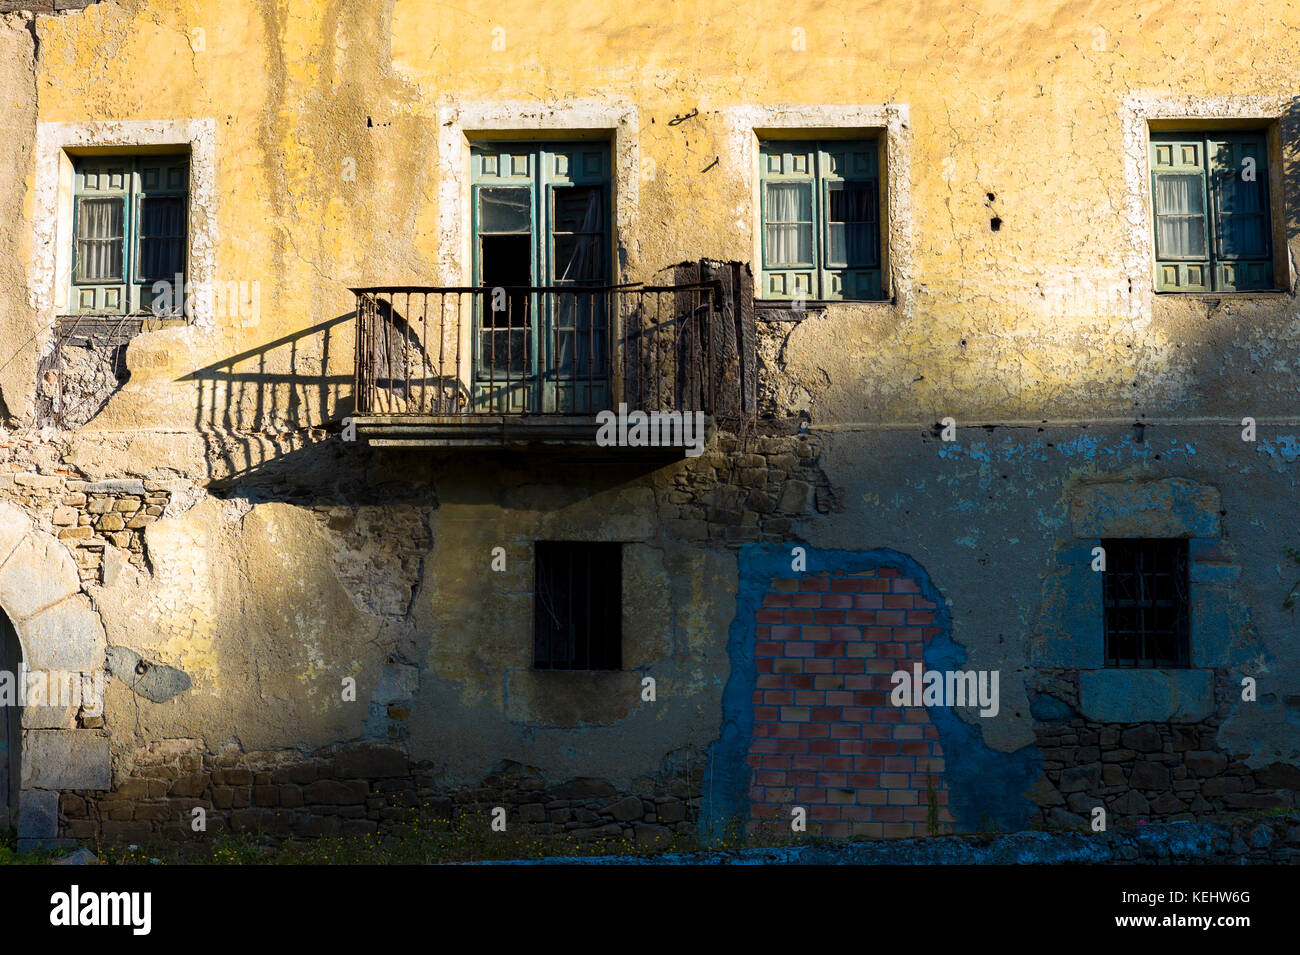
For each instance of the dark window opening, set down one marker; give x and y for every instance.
(505, 334)
(578, 606)
(1145, 595)
(11, 732)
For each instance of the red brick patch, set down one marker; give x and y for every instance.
(825, 735)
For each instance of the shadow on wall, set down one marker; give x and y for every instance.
(1289, 127)
(255, 409)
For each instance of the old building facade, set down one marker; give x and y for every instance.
(311, 312)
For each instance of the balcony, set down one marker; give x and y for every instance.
(519, 366)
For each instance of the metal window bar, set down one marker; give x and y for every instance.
(664, 348)
(1146, 603)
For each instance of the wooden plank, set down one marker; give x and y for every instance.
(747, 335)
(689, 389)
(725, 370)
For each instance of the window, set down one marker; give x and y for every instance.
(1213, 228)
(541, 218)
(578, 606)
(1146, 603)
(129, 231)
(821, 222)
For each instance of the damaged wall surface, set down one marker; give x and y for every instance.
(299, 632)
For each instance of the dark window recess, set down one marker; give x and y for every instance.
(1145, 595)
(578, 606)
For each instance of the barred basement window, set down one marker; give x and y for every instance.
(578, 606)
(1213, 227)
(1145, 595)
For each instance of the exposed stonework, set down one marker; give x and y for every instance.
(363, 788)
(747, 489)
(1146, 771)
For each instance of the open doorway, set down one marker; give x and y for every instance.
(11, 722)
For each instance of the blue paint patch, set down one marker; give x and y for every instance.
(987, 788)
(1084, 446)
(1286, 447)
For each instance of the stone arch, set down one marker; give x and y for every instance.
(57, 631)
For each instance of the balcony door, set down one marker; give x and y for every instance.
(541, 219)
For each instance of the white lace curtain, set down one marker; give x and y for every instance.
(99, 239)
(789, 223)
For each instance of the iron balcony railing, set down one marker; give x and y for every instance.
(545, 350)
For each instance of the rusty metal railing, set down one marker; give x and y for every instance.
(551, 350)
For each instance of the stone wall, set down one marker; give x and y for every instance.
(747, 488)
(365, 788)
(1145, 771)
(102, 522)
(1274, 840)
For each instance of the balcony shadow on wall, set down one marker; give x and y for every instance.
(271, 415)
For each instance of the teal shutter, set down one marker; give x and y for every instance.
(1238, 167)
(542, 217)
(850, 183)
(504, 182)
(1182, 232)
(820, 209)
(130, 229)
(100, 247)
(788, 203)
(575, 346)
(160, 220)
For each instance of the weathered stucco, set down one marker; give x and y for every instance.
(329, 149)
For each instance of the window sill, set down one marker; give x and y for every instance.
(1256, 293)
(783, 310)
(1142, 695)
(108, 327)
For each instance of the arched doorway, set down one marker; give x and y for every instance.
(11, 721)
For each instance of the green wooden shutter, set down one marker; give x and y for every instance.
(1181, 206)
(577, 212)
(160, 219)
(1238, 166)
(504, 184)
(101, 226)
(789, 201)
(577, 238)
(850, 234)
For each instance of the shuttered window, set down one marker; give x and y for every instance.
(821, 223)
(129, 232)
(1213, 228)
